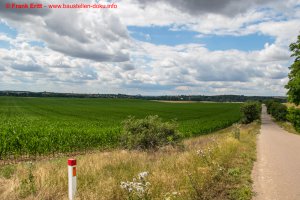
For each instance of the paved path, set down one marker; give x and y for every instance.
(276, 173)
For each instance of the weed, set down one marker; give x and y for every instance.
(27, 186)
(7, 171)
(137, 188)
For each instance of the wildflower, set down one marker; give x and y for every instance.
(123, 185)
(209, 149)
(170, 196)
(136, 188)
(143, 175)
(201, 153)
(140, 189)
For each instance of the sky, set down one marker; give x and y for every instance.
(158, 47)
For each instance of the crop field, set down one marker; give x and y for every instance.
(44, 126)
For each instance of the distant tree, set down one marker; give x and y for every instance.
(293, 85)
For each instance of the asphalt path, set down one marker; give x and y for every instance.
(276, 173)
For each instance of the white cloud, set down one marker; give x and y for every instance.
(91, 51)
(87, 34)
(182, 88)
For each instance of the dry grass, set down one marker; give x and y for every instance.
(222, 173)
(291, 105)
(287, 126)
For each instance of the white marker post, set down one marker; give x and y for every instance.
(72, 178)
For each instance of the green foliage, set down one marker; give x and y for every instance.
(294, 117)
(277, 110)
(293, 85)
(28, 186)
(242, 193)
(235, 172)
(148, 133)
(250, 111)
(7, 171)
(43, 126)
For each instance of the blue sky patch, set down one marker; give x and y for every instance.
(4, 44)
(8, 31)
(162, 35)
(37, 43)
(165, 36)
(244, 43)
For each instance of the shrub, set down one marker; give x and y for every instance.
(269, 105)
(277, 110)
(293, 116)
(148, 133)
(250, 112)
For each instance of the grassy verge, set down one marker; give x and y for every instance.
(287, 126)
(291, 105)
(215, 166)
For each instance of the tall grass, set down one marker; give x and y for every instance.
(216, 166)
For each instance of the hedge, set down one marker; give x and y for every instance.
(293, 116)
(277, 110)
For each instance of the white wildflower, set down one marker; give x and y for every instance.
(201, 153)
(143, 175)
(135, 187)
(140, 189)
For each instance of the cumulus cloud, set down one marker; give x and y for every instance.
(272, 52)
(5, 38)
(182, 88)
(92, 51)
(27, 68)
(276, 71)
(88, 34)
(225, 7)
(194, 66)
(20, 14)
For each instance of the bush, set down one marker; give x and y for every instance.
(293, 116)
(250, 112)
(277, 110)
(269, 105)
(148, 133)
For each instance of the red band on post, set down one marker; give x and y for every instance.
(71, 162)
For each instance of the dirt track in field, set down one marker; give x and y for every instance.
(276, 173)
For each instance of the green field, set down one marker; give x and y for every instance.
(41, 126)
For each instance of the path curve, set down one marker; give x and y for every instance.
(276, 173)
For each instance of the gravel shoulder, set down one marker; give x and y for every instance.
(276, 173)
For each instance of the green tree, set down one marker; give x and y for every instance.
(250, 111)
(293, 85)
